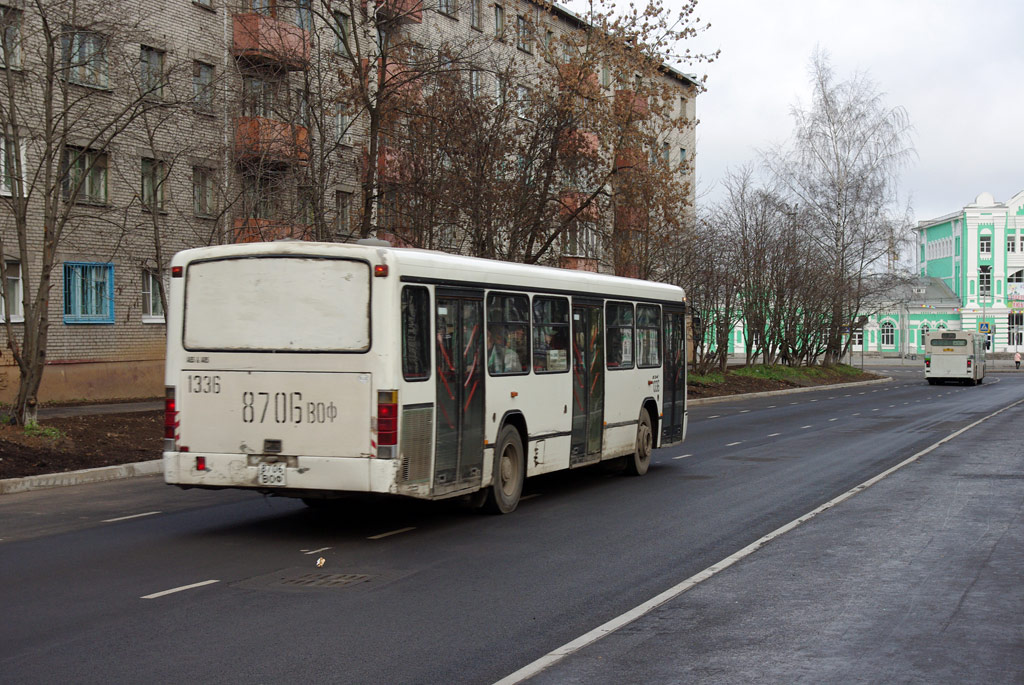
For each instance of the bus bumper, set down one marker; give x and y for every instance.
(332, 474)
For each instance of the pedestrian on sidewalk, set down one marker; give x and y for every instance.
(1016, 360)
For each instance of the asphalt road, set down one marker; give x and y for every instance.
(422, 593)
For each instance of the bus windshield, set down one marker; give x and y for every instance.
(284, 304)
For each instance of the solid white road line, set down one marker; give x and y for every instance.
(390, 533)
(178, 589)
(614, 624)
(133, 516)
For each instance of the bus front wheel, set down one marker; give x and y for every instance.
(638, 464)
(509, 473)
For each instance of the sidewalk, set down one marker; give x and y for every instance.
(917, 579)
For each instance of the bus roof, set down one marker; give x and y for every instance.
(428, 266)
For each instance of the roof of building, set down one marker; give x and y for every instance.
(916, 292)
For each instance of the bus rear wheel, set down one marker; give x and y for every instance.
(638, 464)
(509, 473)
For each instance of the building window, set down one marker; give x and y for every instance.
(342, 32)
(343, 215)
(447, 7)
(258, 96)
(88, 292)
(304, 15)
(523, 102)
(620, 335)
(580, 240)
(985, 281)
(1011, 243)
(476, 14)
(549, 45)
(9, 166)
(888, 334)
(265, 7)
(666, 154)
(202, 87)
(10, 37)
(474, 83)
(606, 76)
(11, 302)
(524, 41)
(84, 56)
(985, 245)
(203, 192)
(682, 155)
(857, 339)
(154, 174)
(204, 3)
(499, 21)
(342, 125)
(85, 176)
(1015, 329)
(152, 305)
(151, 72)
(924, 333)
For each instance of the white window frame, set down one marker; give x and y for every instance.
(203, 192)
(202, 86)
(887, 334)
(153, 184)
(7, 168)
(84, 56)
(1011, 243)
(13, 293)
(94, 188)
(151, 71)
(88, 286)
(152, 307)
(985, 244)
(499, 21)
(10, 25)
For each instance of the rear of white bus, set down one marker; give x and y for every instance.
(950, 355)
(271, 381)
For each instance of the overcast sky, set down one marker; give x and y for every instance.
(957, 67)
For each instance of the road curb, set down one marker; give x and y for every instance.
(789, 391)
(103, 473)
(10, 486)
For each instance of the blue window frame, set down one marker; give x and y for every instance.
(88, 292)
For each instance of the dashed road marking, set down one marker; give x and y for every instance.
(391, 532)
(802, 427)
(314, 551)
(684, 456)
(178, 589)
(772, 435)
(733, 444)
(133, 516)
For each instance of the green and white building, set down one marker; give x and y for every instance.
(978, 252)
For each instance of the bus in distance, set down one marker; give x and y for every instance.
(311, 370)
(954, 356)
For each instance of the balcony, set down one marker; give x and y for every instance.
(630, 105)
(578, 263)
(256, 230)
(630, 158)
(267, 141)
(264, 40)
(570, 202)
(578, 143)
(400, 11)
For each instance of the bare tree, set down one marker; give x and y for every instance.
(842, 168)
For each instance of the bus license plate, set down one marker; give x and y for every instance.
(272, 474)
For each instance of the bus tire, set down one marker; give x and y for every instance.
(509, 473)
(640, 461)
(931, 381)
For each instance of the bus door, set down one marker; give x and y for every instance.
(587, 381)
(673, 398)
(459, 456)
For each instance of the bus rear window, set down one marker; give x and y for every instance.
(277, 304)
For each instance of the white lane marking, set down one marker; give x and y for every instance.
(771, 406)
(744, 411)
(772, 435)
(833, 419)
(794, 403)
(874, 410)
(683, 457)
(855, 414)
(715, 416)
(314, 551)
(802, 427)
(733, 444)
(862, 393)
(178, 589)
(556, 655)
(814, 400)
(133, 516)
(390, 533)
(537, 494)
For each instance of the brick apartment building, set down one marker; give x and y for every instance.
(134, 129)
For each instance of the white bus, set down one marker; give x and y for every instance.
(309, 370)
(954, 355)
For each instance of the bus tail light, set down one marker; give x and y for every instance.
(387, 423)
(927, 362)
(968, 363)
(170, 421)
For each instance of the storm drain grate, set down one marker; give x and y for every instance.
(324, 580)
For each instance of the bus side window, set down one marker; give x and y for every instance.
(648, 335)
(619, 336)
(550, 334)
(508, 334)
(415, 333)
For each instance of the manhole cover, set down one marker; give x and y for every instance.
(300, 579)
(324, 580)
